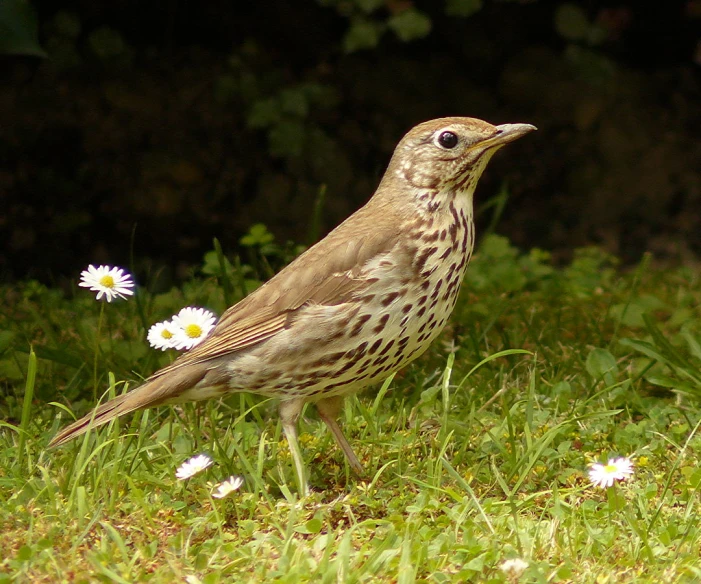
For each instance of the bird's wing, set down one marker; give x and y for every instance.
(329, 273)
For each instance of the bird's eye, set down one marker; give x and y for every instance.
(448, 140)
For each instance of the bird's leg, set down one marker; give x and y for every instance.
(329, 409)
(289, 414)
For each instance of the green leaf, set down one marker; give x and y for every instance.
(410, 25)
(647, 349)
(671, 383)
(6, 338)
(314, 525)
(67, 24)
(430, 394)
(264, 113)
(601, 364)
(462, 8)
(258, 234)
(294, 102)
(597, 35)
(18, 29)
(24, 553)
(363, 34)
(369, 6)
(589, 270)
(682, 364)
(475, 565)
(694, 345)
(632, 313)
(319, 94)
(287, 139)
(571, 22)
(106, 43)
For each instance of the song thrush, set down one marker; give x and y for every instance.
(363, 302)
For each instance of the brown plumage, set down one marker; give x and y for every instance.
(362, 303)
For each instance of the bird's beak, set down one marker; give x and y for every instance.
(506, 133)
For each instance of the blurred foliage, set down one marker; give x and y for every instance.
(284, 116)
(573, 24)
(63, 33)
(108, 45)
(194, 122)
(369, 20)
(18, 29)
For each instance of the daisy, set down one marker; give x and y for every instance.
(514, 567)
(162, 335)
(233, 483)
(192, 466)
(617, 469)
(192, 327)
(107, 281)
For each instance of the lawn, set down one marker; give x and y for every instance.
(477, 455)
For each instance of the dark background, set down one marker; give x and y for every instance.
(180, 122)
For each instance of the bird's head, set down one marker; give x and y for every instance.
(450, 153)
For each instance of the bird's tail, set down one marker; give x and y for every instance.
(101, 415)
(156, 390)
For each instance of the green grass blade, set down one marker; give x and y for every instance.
(224, 281)
(27, 406)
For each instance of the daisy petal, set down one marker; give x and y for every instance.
(193, 326)
(162, 335)
(233, 483)
(107, 281)
(616, 469)
(514, 568)
(192, 466)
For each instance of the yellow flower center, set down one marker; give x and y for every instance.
(166, 334)
(193, 331)
(609, 468)
(107, 281)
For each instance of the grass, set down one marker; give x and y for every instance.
(476, 454)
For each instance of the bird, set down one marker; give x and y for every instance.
(357, 306)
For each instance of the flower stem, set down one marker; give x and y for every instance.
(97, 351)
(612, 495)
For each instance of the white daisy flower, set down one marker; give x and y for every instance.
(192, 466)
(617, 469)
(514, 567)
(233, 483)
(107, 281)
(162, 335)
(192, 326)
